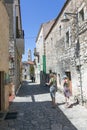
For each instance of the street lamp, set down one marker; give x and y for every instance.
(66, 19)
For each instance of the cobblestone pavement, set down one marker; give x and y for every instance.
(33, 104)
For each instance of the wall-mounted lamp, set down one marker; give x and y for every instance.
(65, 19)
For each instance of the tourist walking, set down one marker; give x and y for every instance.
(67, 93)
(52, 84)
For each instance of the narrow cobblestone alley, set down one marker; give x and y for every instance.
(34, 111)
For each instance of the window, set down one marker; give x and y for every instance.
(25, 76)
(38, 59)
(51, 42)
(17, 31)
(67, 39)
(60, 30)
(81, 15)
(59, 79)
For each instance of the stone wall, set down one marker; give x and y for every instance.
(4, 55)
(4, 39)
(66, 56)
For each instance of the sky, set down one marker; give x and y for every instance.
(33, 14)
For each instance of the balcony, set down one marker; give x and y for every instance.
(36, 53)
(20, 41)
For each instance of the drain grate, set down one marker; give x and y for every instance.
(11, 115)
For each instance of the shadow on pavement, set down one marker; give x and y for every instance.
(28, 88)
(37, 114)
(40, 115)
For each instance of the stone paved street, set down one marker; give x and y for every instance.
(33, 104)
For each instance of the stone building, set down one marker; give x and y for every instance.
(4, 56)
(39, 53)
(26, 74)
(16, 44)
(66, 48)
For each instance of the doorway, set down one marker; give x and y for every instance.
(68, 74)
